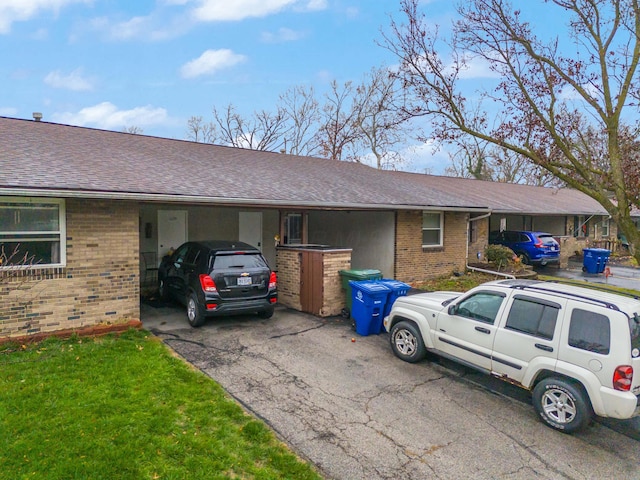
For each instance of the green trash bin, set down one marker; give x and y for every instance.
(355, 275)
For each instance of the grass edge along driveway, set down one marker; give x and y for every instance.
(123, 407)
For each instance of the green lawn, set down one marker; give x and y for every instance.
(125, 408)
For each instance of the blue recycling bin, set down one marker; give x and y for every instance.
(595, 259)
(398, 289)
(367, 305)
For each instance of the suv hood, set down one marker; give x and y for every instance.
(431, 300)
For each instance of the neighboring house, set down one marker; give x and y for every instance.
(96, 210)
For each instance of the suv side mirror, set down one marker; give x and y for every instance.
(453, 309)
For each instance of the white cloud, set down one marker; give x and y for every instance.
(477, 67)
(21, 10)
(210, 62)
(8, 112)
(75, 81)
(282, 35)
(106, 115)
(225, 10)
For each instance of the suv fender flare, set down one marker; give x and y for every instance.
(536, 371)
(583, 378)
(400, 314)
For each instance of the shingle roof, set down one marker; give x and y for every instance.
(65, 160)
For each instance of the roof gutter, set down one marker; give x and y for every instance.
(167, 198)
(476, 269)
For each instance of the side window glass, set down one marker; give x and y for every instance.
(180, 254)
(590, 331)
(192, 256)
(533, 318)
(523, 238)
(482, 306)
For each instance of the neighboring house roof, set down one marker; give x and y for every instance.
(41, 158)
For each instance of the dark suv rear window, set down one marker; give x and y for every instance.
(239, 260)
(590, 331)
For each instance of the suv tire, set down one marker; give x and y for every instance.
(407, 342)
(195, 312)
(266, 313)
(561, 405)
(162, 290)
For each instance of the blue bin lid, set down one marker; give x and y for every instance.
(596, 250)
(369, 286)
(394, 285)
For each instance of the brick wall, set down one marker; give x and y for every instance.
(334, 299)
(414, 263)
(288, 266)
(481, 240)
(99, 285)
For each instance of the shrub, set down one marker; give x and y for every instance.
(499, 255)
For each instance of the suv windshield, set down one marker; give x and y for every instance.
(238, 260)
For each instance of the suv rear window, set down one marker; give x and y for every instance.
(634, 327)
(238, 260)
(590, 331)
(547, 239)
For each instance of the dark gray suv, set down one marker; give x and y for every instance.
(215, 278)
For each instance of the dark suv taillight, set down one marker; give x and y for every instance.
(272, 281)
(622, 378)
(207, 283)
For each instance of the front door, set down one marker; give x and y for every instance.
(250, 228)
(172, 230)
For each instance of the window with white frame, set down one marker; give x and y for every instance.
(432, 229)
(604, 227)
(32, 232)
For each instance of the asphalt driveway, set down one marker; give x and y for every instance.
(357, 412)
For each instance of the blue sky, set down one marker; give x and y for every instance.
(112, 64)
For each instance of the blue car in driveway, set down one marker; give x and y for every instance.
(535, 248)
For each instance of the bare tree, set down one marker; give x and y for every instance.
(133, 129)
(550, 92)
(302, 115)
(200, 131)
(379, 123)
(338, 131)
(263, 131)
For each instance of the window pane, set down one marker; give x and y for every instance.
(589, 331)
(431, 237)
(16, 217)
(41, 251)
(430, 220)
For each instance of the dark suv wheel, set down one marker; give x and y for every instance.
(195, 311)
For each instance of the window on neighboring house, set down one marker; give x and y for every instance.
(292, 228)
(431, 229)
(473, 232)
(580, 226)
(604, 227)
(32, 232)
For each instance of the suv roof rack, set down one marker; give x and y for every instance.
(597, 288)
(606, 304)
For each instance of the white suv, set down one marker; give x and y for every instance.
(575, 348)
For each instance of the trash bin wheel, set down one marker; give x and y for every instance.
(584, 269)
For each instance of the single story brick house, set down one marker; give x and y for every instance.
(93, 211)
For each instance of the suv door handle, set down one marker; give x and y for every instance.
(483, 330)
(546, 348)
